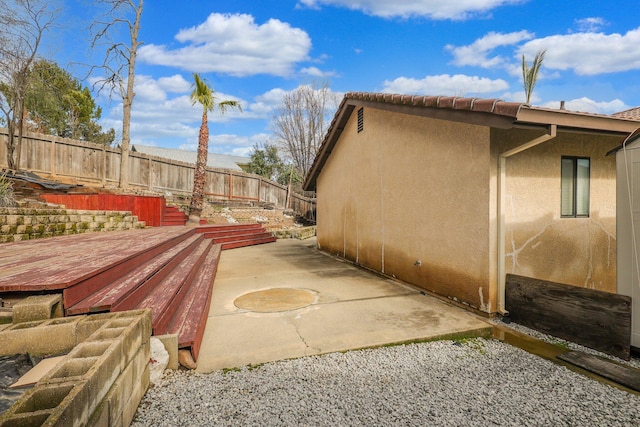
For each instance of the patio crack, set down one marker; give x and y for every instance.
(304, 341)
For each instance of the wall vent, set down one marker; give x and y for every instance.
(360, 119)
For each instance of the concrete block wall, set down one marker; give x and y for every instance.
(296, 233)
(101, 380)
(31, 223)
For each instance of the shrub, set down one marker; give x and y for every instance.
(7, 198)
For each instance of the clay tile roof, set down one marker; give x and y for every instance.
(633, 114)
(494, 106)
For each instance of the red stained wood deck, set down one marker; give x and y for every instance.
(149, 209)
(170, 270)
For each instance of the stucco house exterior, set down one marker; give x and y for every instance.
(452, 194)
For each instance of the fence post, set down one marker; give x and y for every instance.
(230, 186)
(52, 159)
(104, 165)
(150, 174)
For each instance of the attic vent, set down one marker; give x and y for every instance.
(360, 120)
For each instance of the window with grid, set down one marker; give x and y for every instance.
(575, 174)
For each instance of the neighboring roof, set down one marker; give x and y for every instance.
(214, 160)
(632, 113)
(487, 112)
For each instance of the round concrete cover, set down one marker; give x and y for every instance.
(275, 299)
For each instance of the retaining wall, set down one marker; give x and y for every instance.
(100, 381)
(34, 223)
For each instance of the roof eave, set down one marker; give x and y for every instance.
(574, 121)
(335, 129)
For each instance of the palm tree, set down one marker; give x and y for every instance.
(202, 94)
(530, 74)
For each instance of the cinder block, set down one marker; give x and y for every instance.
(170, 342)
(136, 396)
(100, 417)
(126, 384)
(37, 307)
(15, 219)
(24, 420)
(144, 316)
(98, 373)
(64, 404)
(131, 336)
(40, 338)
(88, 326)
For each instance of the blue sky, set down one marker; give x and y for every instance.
(253, 51)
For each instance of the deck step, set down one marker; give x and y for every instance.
(229, 233)
(227, 228)
(172, 215)
(190, 320)
(239, 237)
(165, 298)
(137, 283)
(248, 242)
(102, 277)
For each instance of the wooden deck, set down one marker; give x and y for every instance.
(170, 270)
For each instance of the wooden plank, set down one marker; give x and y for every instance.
(248, 242)
(233, 232)
(164, 298)
(625, 375)
(596, 319)
(60, 262)
(139, 281)
(240, 237)
(223, 228)
(81, 289)
(190, 320)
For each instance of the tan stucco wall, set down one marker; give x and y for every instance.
(409, 191)
(541, 244)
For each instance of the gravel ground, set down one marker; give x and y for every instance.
(473, 382)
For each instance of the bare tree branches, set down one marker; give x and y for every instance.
(301, 122)
(119, 63)
(23, 24)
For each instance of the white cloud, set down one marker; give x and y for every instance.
(477, 53)
(445, 84)
(433, 9)
(234, 44)
(162, 118)
(520, 97)
(175, 84)
(588, 53)
(590, 25)
(588, 105)
(236, 145)
(316, 72)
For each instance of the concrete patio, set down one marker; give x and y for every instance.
(297, 301)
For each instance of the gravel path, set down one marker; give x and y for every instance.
(445, 383)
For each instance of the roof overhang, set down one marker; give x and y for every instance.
(484, 112)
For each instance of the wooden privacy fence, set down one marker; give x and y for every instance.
(91, 163)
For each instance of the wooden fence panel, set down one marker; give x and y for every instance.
(272, 192)
(36, 156)
(88, 162)
(217, 184)
(245, 187)
(304, 206)
(138, 171)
